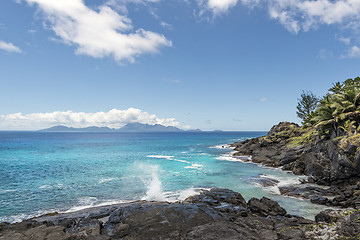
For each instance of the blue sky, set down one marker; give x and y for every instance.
(208, 64)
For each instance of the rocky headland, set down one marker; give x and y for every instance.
(214, 214)
(331, 163)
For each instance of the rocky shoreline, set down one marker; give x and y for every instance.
(333, 180)
(333, 173)
(214, 214)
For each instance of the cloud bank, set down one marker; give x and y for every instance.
(114, 119)
(9, 47)
(99, 34)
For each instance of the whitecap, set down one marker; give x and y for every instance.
(204, 154)
(194, 166)
(106, 180)
(161, 157)
(180, 160)
(7, 190)
(167, 157)
(45, 186)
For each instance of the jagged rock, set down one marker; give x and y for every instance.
(214, 214)
(326, 216)
(274, 208)
(258, 207)
(321, 159)
(319, 200)
(265, 207)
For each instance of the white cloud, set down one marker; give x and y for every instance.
(31, 31)
(297, 15)
(221, 6)
(345, 40)
(325, 54)
(114, 119)
(9, 47)
(263, 99)
(102, 33)
(353, 52)
(166, 25)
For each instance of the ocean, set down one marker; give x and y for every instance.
(42, 172)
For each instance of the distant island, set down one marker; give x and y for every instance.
(130, 127)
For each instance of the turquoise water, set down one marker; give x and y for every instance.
(44, 172)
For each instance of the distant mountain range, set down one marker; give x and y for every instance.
(130, 127)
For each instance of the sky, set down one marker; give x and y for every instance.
(208, 64)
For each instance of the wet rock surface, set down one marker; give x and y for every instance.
(214, 214)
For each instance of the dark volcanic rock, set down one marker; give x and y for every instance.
(214, 214)
(265, 207)
(321, 159)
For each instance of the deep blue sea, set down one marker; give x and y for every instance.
(42, 172)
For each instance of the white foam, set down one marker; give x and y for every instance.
(161, 157)
(222, 146)
(180, 160)
(7, 190)
(204, 154)
(181, 195)
(22, 216)
(284, 180)
(89, 202)
(167, 157)
(59, 185)
(106, 180)
(229, 157)
(194, 166)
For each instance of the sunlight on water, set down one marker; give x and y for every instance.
(46, 172)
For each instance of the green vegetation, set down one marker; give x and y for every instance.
(338, 110)
(292, 132)
(306, 105)
(307, 136)
(335, 116)
(288, 228)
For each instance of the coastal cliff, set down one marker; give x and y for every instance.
(333, 161)
(214, 214)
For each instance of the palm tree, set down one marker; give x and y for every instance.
(323, 117)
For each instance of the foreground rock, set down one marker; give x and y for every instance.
(214, 214)
(290, 147)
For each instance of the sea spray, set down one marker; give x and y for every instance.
(152, 182)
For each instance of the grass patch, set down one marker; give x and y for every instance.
(307, 136)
